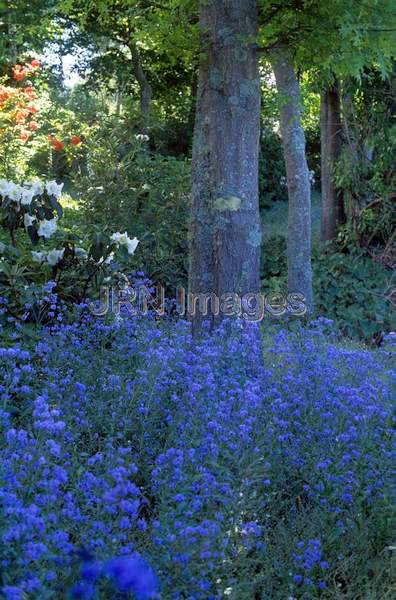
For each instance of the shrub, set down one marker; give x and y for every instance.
(30, 214)
(18, 120)
(351, 289)
(142, 192)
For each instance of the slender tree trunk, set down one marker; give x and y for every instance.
(299, 187)
(146, 91)
(333, 213)
(225, 233)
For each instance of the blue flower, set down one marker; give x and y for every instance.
(132, 574)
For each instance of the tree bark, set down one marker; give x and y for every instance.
(225, 232)
(299, 187)
(146, 91)
(333, 212)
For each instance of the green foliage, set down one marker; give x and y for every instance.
(272, 173)
(352, 289)
(343, 36)
(273, 263)
(366, 170)
(129, 188)
(41, 254)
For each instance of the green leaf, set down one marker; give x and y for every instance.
(34, 237)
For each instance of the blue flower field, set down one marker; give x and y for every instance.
(135, 464)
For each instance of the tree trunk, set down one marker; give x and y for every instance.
(333, 213)
(225, 232)
(146, 91)
(299, 187)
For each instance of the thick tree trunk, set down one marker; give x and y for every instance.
(225, 232)
(146, 91)
(333, 213)
(299, 187)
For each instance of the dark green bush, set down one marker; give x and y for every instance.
(128, 188)
(273, 272)
(351, 289)
(272, 173)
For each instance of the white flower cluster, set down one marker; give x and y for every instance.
(122, 239)
(52, 257)
(47, 228)
(25, 194)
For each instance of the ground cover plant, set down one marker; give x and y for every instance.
(228, 475)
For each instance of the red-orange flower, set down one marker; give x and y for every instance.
(19, 72)
(75, 140)
(30, 92)
(6, 94)
(33, 125)
(35, 64)
(21, 116)
(32, 108)
(57, 145)
(24, 135)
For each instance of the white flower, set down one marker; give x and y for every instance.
(122, 239)
(54, 189)
(4, 187)
(14, 191)
(142, 137)
(132, 245)
(2, 247)
(146, 186)
(119, 238)
(37, 187)
(27, 196)
(47, 228)
(54, 256)
(28, 220)
(38, 257)
(81, 253)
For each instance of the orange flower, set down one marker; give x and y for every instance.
(57, 145)
(30, 93)
(19, 72)
(32, 108)
(35, 64)
(33, 125)
(6, 93)
(75, 140)
(21, 116)
(24, 135)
